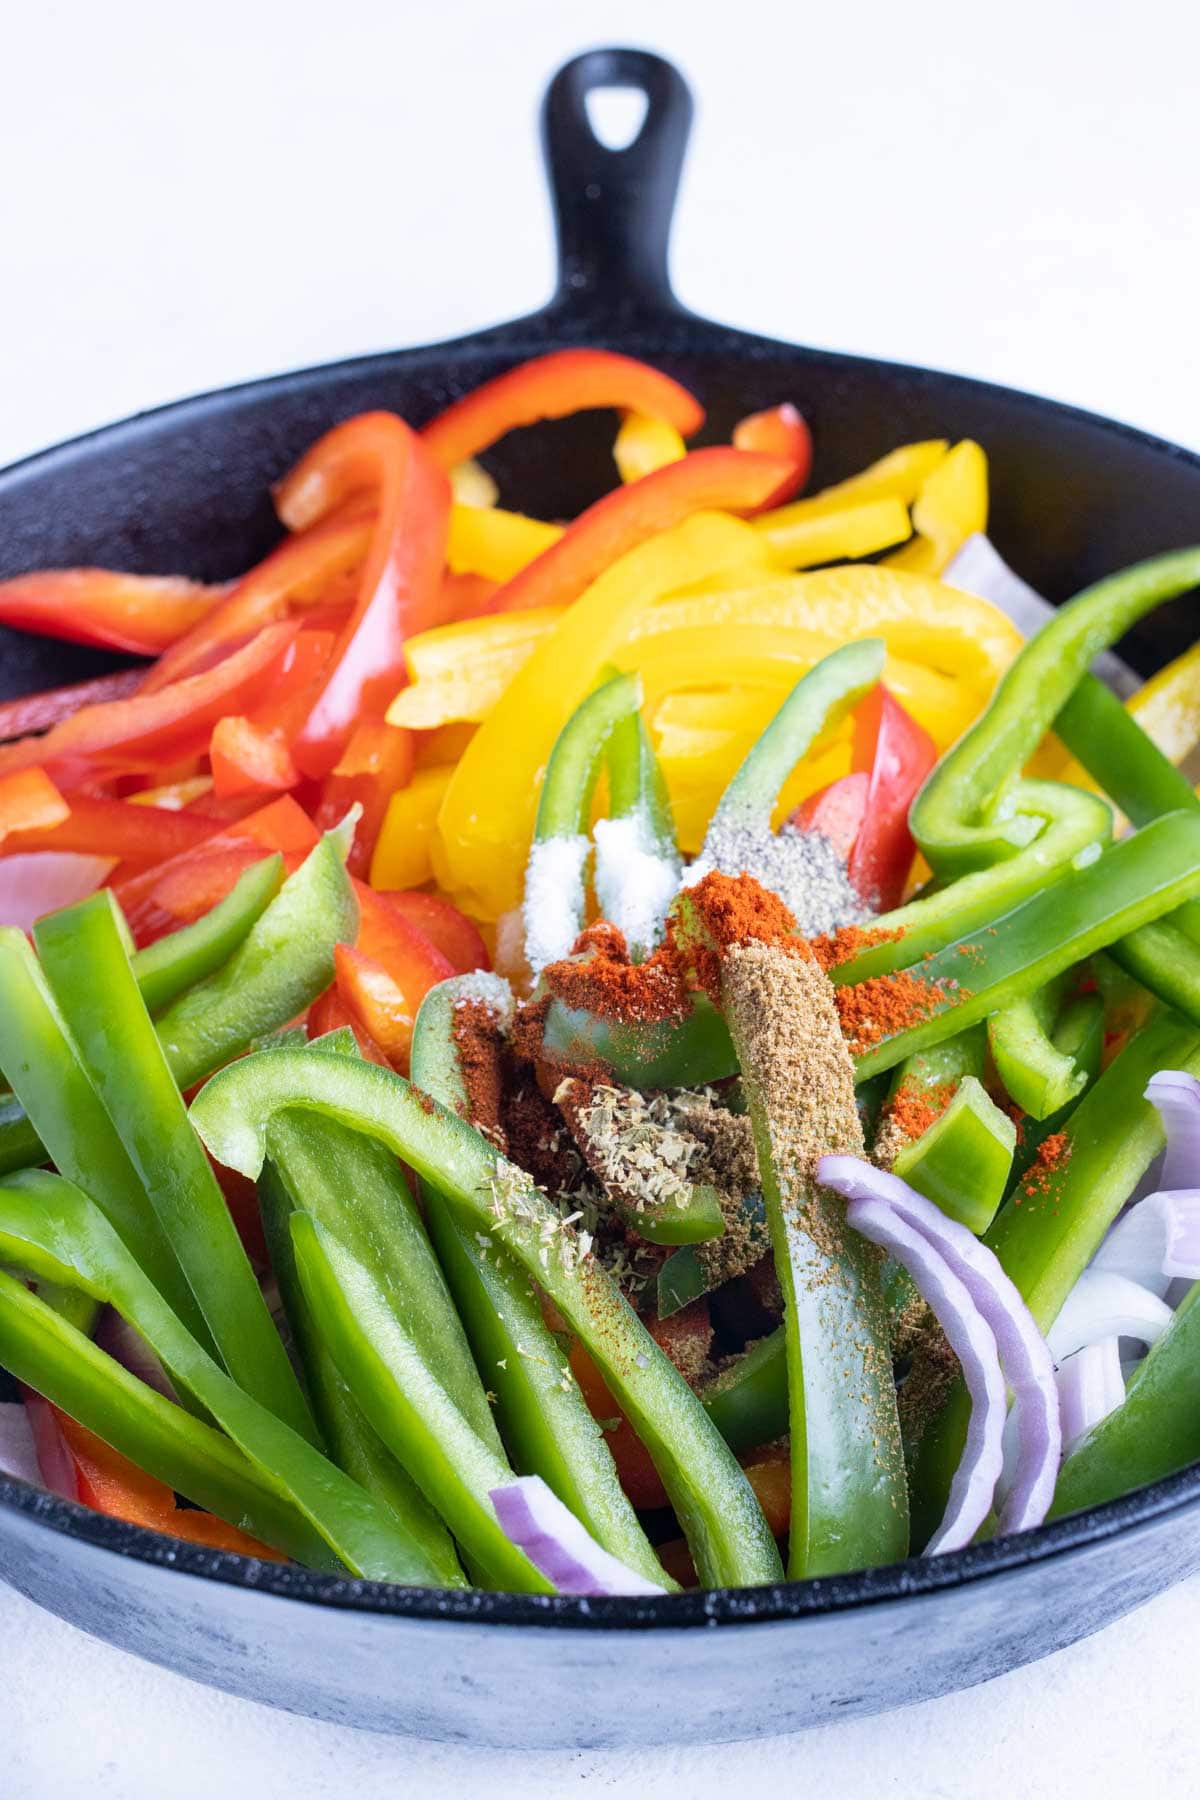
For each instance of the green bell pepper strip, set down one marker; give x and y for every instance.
(1133, 882)
(1079, 1034)
(1039, 1077)
(407, 1405)
(350, 1440)
(962, 1162)
(282, 964)
(973, 810)
(39, 1057)
(1166, 960)
(565, 804)
(697, 1221)
(689, 1052)
(543, 1418)
(944, 1064)
(686, 1276)
(1155, 1432)
(51, 1228)
(1045, 1238)
(748, 1401)
(637, 864)
(87, 968)
(636, 788)
(43, 1349)
(818, 702)
(165, 969)
(729, 1537)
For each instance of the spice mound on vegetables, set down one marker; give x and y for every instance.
(601, 1057)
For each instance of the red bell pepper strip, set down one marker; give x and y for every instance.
(780, 431)
(377, 1003)
(29, 803)
(400, 586)
(551, 387)
(836, 811)
(449, 930)
(466, 596)
(158, 728)
(247, 758)
(284, 710)
(83, 1467)
(142, 614)
(38, 712)
(898, 754)
(720, 479)
(296, 577)
(99, 827)
(377, 760)
(329, 1012)
(410, 957)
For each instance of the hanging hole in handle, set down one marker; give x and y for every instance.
(616, 115)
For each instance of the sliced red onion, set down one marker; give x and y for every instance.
(18, 1452)
(978, 568)
(56, 1465)
(1102, 1305)
(125, 1346)
(1155, 1242)
(1090, 1386)
(1176, 1094)
(535, 1519)
(35, 882)
(974, 1344)
(1024, 1356)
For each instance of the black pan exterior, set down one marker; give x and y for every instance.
(185, 488)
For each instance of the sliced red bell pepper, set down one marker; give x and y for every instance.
(118, 828)
(377, 1002)
(248, 758)
(780, 431)
(38, 712)
(377, 760)
(720, 479)
(150, 729)
(142, 614)
(898, 754)
(449, 930)
(836, 811)
(551, 387)
(635, 1467)
(401, 582)
(410, 957)
(466, 596)
(29, 803)
(86, 1469)
(297, 576)
(329, 1012)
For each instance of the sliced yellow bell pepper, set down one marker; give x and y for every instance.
(444, 744)
(644, 444)
(695, 788)
(899, 475)
(1167, 707)
(402, 858)
(951, 506)
(486, 820)
(485, 540)
(458, 672)
(471, 485)
(832, 537)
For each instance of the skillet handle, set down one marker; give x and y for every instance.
(613, 208)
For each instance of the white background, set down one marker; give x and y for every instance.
(196, 195)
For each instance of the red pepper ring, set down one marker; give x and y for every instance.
(400, 587)
(720, 480)
(142, 614)
(162, 728)
(552, 387)
(780, 431)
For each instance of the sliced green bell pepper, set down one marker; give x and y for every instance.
(962, 1162)
(165, 969)
(730, 1539)
(748, 1401)
(1037, 1075)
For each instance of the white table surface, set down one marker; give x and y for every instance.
(199, 195)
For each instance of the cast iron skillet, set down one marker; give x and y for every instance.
(185, 488)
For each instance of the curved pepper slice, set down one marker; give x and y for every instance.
(897, 476)
(644, 444)
(400, 585)
(897, 755)
(30, 805)
(716, 1505)
(30, 713)
(951, 506)
(718, 480)
(247, 759)
(779, 431)
(498, 545)
(552, 387)
(141, 614)
(95, 826)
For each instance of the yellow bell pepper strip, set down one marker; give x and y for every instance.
(723, 1522)
(1049, 1230)
(951, 507)
(471, 485)
(973, 811)
(403, 850)
(555, 901)
(899, 475)
(1168, 707)
(498, 545)
(486, 820)
(87, 969)
(644, 444)
(637, 867)
(45, 1351)
(836, 536)
(543, 1418)
(1038, 1076)
(51, 1228)
(963, 1160)
(459, 672)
